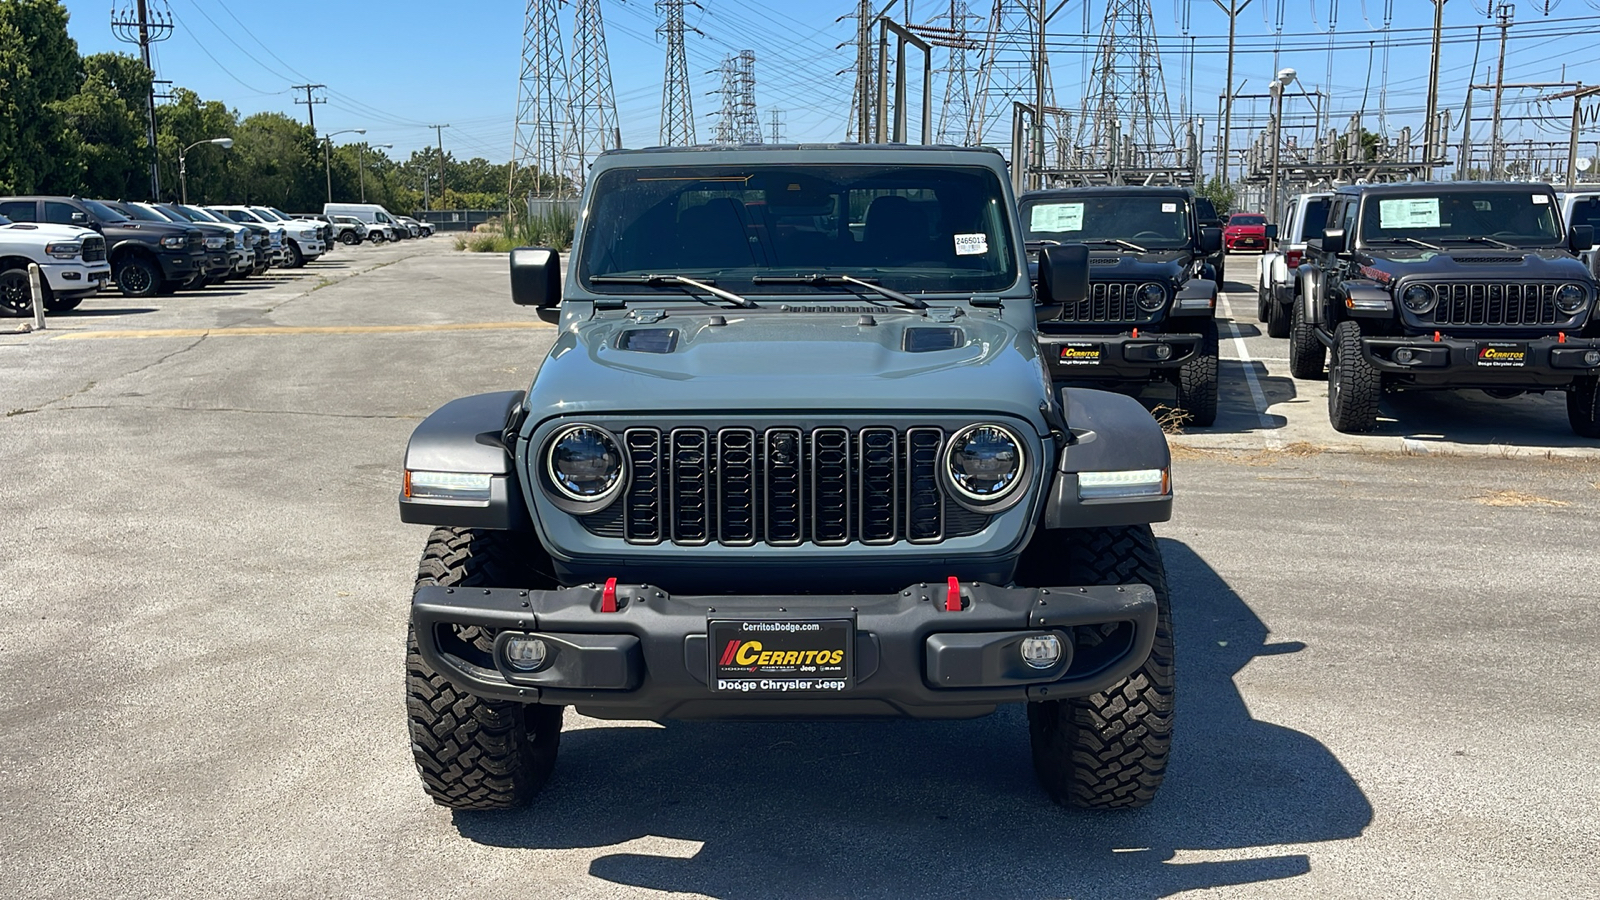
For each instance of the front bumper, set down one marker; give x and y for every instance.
(913, 654)
(1453, 362)
(218, 263)
(1245, 242)
(1114, 357)
(182, 266)
(75, 278)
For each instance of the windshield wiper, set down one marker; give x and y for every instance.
(1413, 242)
(1120, 243)
(821, 279)
(707, 286)
(1483, 240)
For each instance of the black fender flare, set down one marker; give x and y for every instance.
(465, 436)
(1110, 432)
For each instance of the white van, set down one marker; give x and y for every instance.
(370, 213)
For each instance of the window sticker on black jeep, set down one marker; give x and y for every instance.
(1056, 217)
(1409, 212)
(1169, 207)
(1540, 199)
(972, 244)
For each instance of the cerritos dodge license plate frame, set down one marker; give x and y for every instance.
(1081, 353)
(781, 656)
(1503, 354)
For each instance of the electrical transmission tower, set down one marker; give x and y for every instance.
(737, 121)
(1126, 120)
(677, 109)
(863, 102)
(594, 105)
(136, 23)
(1009, 66)
(956, 124)
(538, 157)
(776, 117)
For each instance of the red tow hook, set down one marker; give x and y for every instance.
(608, 597)
(952, 599)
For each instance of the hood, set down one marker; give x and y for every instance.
(1477, 264)
(48, 232)
(1166, 266)
(827, 362)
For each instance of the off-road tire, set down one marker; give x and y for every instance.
(1196, 380)
(1307, 357)
(349, 238)
(1278, 318)
(1262, 298)
(1109, 750)
(16, 293)
(296, 258)
(1354, 385)
(55, 303)
(1583, 406)
(137, 277)
(1222, 271)
(474, 753)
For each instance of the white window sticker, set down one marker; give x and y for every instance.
(1056, 217)
(1169, 207)
(1417, 212)
(972, 244)
(1540, 200)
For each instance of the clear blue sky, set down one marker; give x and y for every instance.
(397, 66)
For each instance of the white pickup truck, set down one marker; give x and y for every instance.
(1583, 208)
(1276, 283)
(72, 265)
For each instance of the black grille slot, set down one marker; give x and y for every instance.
(1108, 301)
(1495, 304)
(94, 249)
(784, 486)
(197, 240)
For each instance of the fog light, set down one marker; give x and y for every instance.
(1041, 651)
(1592, 358)
(1163, 351)
(1405, 356)
(525, 653)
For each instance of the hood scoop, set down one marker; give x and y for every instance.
(1105, 260)
(648, 340)
(929, 340)
(1486, 260)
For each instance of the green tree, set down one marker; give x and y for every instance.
(277, 162)
(187, 119)
(38, 68)
(1220, 193)
(105, 125)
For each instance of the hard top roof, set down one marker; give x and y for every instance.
(742, 149)
(1166, 190)
(1443, 187)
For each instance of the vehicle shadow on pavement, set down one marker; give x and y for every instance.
(1473, 417)
(93, 312)
(1236, 403)
(949, 809)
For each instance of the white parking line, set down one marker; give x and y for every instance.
(1256, 394)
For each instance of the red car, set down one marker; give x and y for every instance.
(1245, 231)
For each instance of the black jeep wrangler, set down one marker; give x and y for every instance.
(1444, 286)
(1150, 313)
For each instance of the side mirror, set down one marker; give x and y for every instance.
(1210, 239)
(79, 218)
(1580, 238)
(1272, 232)
(1063, 276)
(536, 280)
(1333, 241)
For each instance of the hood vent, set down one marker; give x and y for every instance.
(1104, 260)
(649, 340)
(1486, 260)
(927, 340)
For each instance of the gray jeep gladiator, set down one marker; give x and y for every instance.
(794, 453)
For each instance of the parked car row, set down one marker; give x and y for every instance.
(370, 221)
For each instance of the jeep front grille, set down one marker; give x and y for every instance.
(784, 486)
(94, 249)
(1494, 304)
(1108, 301)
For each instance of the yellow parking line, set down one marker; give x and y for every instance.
(254, 330)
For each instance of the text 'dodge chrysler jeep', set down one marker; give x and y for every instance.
(1150, 311)
(792, 454)
(1434, 286)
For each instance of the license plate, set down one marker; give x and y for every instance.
(1081, 353)
(1502, 355)
(782, 656)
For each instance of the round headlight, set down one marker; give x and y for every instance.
(1151, 297)
(1571, 298)
(1419, 298)
(584, 463)
(984, 462)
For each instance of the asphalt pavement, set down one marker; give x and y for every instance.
(1386, 660)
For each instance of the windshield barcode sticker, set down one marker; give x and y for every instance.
(1169, 207)
(1411, 212)
(972, 244)
(1540, 200)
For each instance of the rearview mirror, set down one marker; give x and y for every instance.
(1581, 238)
(536, 280)
(1063, 276)
(1210, 239)
(1272, 232)
(1333, 241)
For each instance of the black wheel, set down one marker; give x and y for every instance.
(1222, 270)
(137, 277)
(474, 753)
(1353, 383)
(1108, 750)
(1261, 302)
(376, 237)
(54, 303)
(1277, 319)
(16, 293)
(1196, 379)
(349, 238)
(296, 258)
(1583, 406)
(1307, 356)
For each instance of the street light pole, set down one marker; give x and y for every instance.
(225, 143)
(327, 155)
(1284, 79)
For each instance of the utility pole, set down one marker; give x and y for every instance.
(438, 131)
(310, 102)
(1233, 9)
(1429, 125)
(135, 25)
(1504, 13)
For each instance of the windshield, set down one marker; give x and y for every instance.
(1586, 211)
(4, 221)
(1148, 221)
(909, 228)
(279, 213)
(103, 212)
(136, 212)
(197, 214)
(167, 214)
(1522, 218)
(264, 214)
(1247, 220)
(1316, 218)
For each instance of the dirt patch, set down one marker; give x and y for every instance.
(1516, 498)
